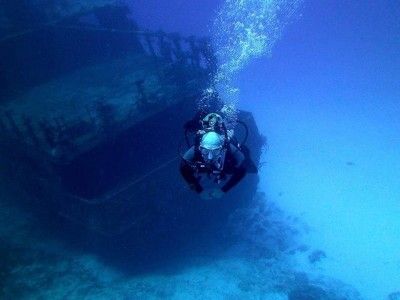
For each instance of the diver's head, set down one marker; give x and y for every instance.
(212, 148)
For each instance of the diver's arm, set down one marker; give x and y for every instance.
(240, 168)
(188, 174)
(187, 170)
(238, 174)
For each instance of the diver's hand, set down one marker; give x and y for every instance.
(211, 194)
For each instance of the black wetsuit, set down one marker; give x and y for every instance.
(192, 164)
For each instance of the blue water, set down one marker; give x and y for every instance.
(330, 98)
(322, 80)
(326, 94)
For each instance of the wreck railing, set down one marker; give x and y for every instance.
(170, 46)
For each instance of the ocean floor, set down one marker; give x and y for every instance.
(261, 263)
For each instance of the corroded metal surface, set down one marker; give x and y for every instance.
(66, 115)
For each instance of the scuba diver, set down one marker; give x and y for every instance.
(216, 154)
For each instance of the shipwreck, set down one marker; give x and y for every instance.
(91, 120)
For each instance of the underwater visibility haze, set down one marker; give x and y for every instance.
(95, 104)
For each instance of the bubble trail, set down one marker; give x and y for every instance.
(242, 31)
